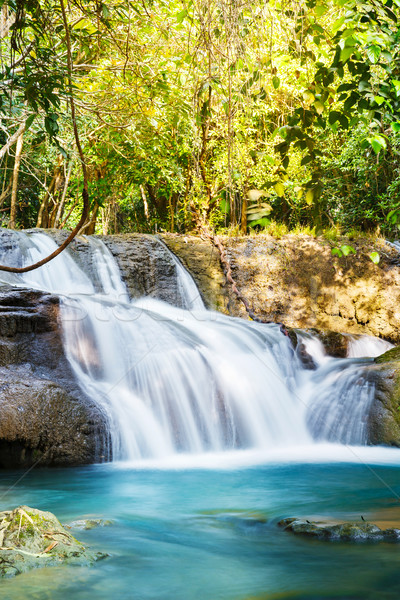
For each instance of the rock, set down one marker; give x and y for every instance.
(145, 263)
(31, 539)
(384, 417)
(296, 281)
(146, 266)
(88, 524)
(201, 259)
(44, 415)
(335, 344)
(341, 532)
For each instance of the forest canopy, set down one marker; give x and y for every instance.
(246, 112)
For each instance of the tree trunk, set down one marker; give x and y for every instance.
(243, 221)
(17, 163)
(61, 205)
(43, 215)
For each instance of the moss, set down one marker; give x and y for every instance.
(389, 356)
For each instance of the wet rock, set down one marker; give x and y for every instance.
(88, 524)
(341, 532)
(31, 539)
(292, 280)
(335, 344)
(145, 263)
(201, 259)
(44, 415)
(384, 417)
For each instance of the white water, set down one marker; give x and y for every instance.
(190, 296)
(179, 382)
(366, 345)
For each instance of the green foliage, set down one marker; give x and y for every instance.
(185, 105)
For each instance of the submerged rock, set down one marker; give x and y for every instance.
(88, 524)
(31, 539)
(342, 532)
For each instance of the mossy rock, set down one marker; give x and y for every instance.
(359, 531)
(391, 355)
(30, 539)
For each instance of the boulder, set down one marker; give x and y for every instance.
(384, 417)
(31, 539)
(145, 263)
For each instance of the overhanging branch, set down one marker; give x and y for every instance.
(85, 192)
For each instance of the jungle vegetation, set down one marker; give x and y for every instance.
(244, 111)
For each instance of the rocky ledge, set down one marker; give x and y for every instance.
(31, 539)
(295, 280)
(340, 532)
(45, 416)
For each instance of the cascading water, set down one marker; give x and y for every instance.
(189, 381)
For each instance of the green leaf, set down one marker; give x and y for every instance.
(307, 159)
(395, 126)
(319, 107)
(224, 206)
(279, 188)
(346, 53)
(396, 85)
(180, 16)
(276, 82)
(320, 10)
(373, 53)
(346, 250)
(336, 252)
(377, 142)
(379, 100)
(310, 196)
(29, 121)
(374, 256)
(308, 96)
(393, 216)
(262, 222)
(334, 116)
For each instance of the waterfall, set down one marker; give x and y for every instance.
(188, 291)
(366, 345)
(188, 381)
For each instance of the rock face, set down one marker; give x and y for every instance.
(31, 539)
(384, 418)
(340, 532)
(44, 416)
(145, 262)
(295, 280)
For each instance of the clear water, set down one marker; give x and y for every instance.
(204, 534)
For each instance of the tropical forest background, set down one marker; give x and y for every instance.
(259, 116)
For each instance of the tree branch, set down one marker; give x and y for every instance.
(85, 192)
(12, 140)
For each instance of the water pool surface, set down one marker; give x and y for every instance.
(211, 534)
